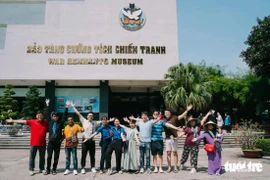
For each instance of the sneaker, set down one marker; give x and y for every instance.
(217, 174)
(54, 172)
(149, 171)
(193, 170)
(101, 172)
(169, 170)
(42, 171)
(141, 170)
(66, 172)
(83, 171)
(161, 170)
(156, 170)
(181, 167)
(93, 170)
(46, 172)
(120, 172)
(75, 172)
(31, 173)
(109, 171)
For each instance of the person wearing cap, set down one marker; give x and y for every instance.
(192, 131)
(212, 136)
(38, 128)
(55, 137)
(171, 134)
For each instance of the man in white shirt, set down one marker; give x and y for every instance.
(89, 127)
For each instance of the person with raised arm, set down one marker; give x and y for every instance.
(55, 136)
(38, 128)
(212, 136)
(117, 134)
(157, 144)
(145, 126)
(106, 139)
(131, 164)
(89, 127)
(171, 134)
(192, 131)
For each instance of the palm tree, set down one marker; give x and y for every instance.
(187, 85)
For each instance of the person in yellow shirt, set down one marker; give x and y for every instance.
(71, 130)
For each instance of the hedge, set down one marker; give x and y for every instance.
(264, 144)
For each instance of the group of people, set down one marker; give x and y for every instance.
(144, 131)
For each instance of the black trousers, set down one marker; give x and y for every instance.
(228, 128)
(116, 146)
(105, 145)
(194, 151)
(88, 146)
(53, 147)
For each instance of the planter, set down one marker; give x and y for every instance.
(9, 129)
(252, 153)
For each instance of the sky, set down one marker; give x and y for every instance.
(215, 30)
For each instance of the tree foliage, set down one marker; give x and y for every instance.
(8, 105)
(32, 103)
(246, 92)
(187, 84)
(257, 54)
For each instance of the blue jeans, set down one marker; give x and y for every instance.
(105, 144)
(145, 150)
(74, 157)
(33, 152)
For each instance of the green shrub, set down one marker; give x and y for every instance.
(264, 144)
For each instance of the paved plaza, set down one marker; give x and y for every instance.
(14, 166)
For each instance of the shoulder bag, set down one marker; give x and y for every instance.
(71, 140)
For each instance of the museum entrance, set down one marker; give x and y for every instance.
(127, 104)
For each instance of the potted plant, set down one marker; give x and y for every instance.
(247, 135)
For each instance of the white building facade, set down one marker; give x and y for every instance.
(109, 57)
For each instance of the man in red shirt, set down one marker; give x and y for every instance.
(37, 141)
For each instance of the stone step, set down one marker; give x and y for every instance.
(21, 141)
(23, 146)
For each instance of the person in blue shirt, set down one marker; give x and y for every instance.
(228, 122)
(117, 133)
(106, 139)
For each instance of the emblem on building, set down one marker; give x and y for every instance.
(132, 18)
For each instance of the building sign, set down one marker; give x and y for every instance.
(132, 18)
(81, 49)
(83, 104)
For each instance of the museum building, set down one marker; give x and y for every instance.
(108, 57)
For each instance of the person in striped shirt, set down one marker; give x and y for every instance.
(157, 140)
